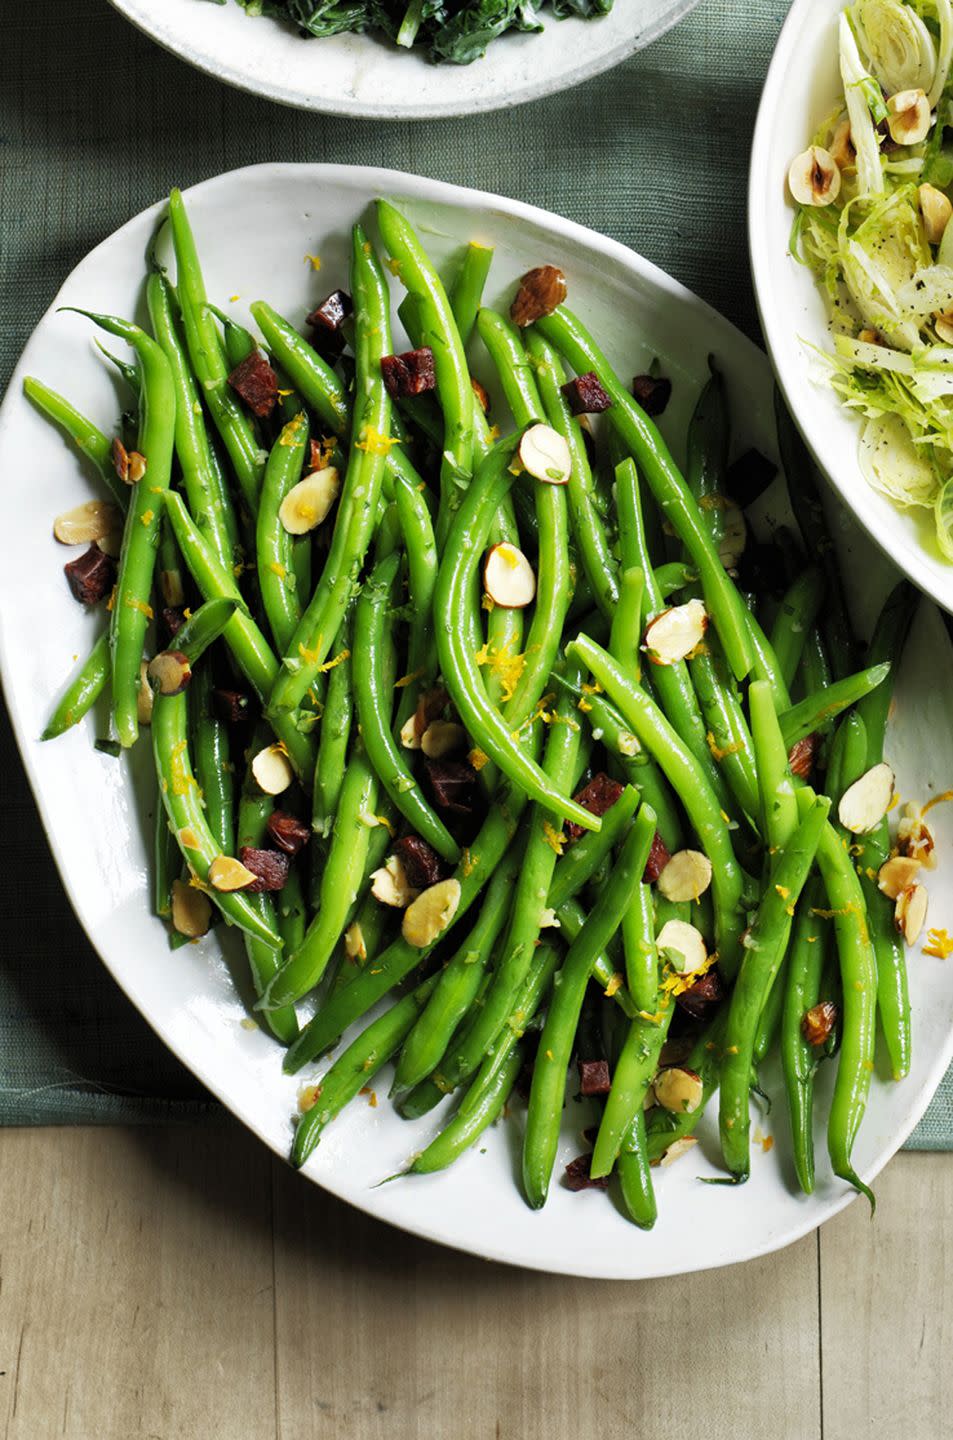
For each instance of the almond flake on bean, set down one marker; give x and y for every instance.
(307, 504)
(228, 874)
(508, 577)
(686, 876)
(679, 1090)
(272, 770)
(682, 945)
(94, 520)
(897, 874)
(169, 672)
(428, 916)
(391, 886)
(191, 910)
(676, 632)
(865, 803)
(910, 912)
(545, 455)
(443, 737)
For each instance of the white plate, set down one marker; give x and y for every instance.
(365, 75)
(254, 227)
(802, 87)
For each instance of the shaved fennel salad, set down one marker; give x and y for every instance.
(873, 199)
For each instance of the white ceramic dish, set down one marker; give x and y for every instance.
(364, 75)
(802, 86)
(254, 227)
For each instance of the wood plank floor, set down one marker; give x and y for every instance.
(182, 1285)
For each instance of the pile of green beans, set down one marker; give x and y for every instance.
(490, 797)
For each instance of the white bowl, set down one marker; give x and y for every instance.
(801, 88)
(254, 228)
(368, 75)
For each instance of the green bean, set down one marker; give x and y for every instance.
(360, 493)
(672, 495)
(673, 576)
(459, 667)
(82, 692)
(311, 376)
(459, 981)
(353, 1069)
(665, 1127)
(727, 735)
(708, 444)
(183, 803)
(555, 1046)
(798, 610)
(202, 476)
(466, 292)
(531, 896)
(598, 564)
(817, 709)
(166, 862)
(277, 576)
(635, 1175)
(766, 665)
(803, 482)
(86, 436)
(886, 647)
(640, 770)
(292, 911)
(778, 800)
(764, 950)
(633, 1074)
(373, 699)
(799, 1060)
(239, 342)
(671, 683)
(213, 767)
(439, 332)
(397, 961)
(688, 780)
(208, 359)
(248, 646)
(576, 867)
(131, 610)
(203, 627)
(420, 547)
(626, 636)
(336, 724)
(638, 933)
(340, 884)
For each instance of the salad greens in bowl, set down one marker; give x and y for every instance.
(852, 148)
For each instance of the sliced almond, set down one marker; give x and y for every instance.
(272, 770)
(546, 455)
(169, 672)
(307, 503)
(191, 910)
(814, 177)
(95, 520)
(355, 946)
(682, 945)
(678, 1147)
(430, 914)
(896, 874)
(865, 803)
(390, 885)
(173, 592)
(675, 632)
(144, 695)
(443, 737)
(679, 1090)
(508, 577)
(936, 210)
(227, 874)
(686, 876)
(915, 837)
(908, 117)
(734, 535)
(910, 912)
(410, 736)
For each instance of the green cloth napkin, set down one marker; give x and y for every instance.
(97, 123)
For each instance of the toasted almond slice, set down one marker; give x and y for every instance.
(430, 914)
(144, 695)
(682, 945)
(191, 910)
(136, 469)
(410, 736)
(910, 912)
(272, 770)
(443, 737)
(227, 874)
(686, 876)
(865, 803)
(169, 672)
(390, 885)
(679, 1090)
(896, 874)
(676, 632)
(307, 503)
(355, 946)
(915, 837)
(94, 520)
(546, 455)
(734, 536)
(111, 543)
(508, 577)
(814, 177)
(678, 1147)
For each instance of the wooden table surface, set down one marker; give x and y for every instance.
(181, 1284)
